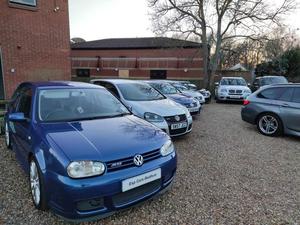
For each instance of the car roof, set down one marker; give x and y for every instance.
(232, 78)
(280, 85)
(154, 81)
(268, 76)
(71, 84)
(118, 81)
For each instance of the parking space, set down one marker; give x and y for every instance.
(228, 173)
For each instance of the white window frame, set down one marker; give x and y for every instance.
(22, 2)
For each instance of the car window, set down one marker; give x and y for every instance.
(15, 99)
(139, 92)
(78, 104)
(180, 87)
(296, 95)
(229, 81)
(109, 87)
(282, 94)
(24, 105)
(112, 89)
(273, 80)
(165, 88)
(286, 95)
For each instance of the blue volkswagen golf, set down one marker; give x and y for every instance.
(86, 155)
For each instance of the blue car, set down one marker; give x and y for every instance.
(171, 92)
(86, 155)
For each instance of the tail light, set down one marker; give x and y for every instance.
(246, 102)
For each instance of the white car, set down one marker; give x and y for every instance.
(232, 89)
(147, 103)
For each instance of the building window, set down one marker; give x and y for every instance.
(24, 2)
(83, 72)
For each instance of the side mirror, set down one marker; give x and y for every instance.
(216, 83)
(16, 117)
(249, 84)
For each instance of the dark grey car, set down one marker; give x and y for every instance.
(275, 109)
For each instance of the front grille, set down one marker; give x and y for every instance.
(235, 92)
(136, 193)
(171, 119)
(128, 162)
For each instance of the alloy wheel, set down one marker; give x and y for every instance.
(35, 183)
(268, 124)
(7, 138)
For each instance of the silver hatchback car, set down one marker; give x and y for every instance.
(275, 109)
(147, 103)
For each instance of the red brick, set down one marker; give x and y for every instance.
(35, 43)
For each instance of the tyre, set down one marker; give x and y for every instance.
(269, 124)
(37, 187)
(7, 136)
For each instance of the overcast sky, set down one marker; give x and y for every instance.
(100, 19)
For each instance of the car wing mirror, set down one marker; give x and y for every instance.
(16, 117)
(216, 83)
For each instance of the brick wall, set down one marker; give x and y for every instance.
(34, 42)
(179, 63)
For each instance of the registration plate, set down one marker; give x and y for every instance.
(235, 96)
(140, 180)
(193, 109)
(176, 126)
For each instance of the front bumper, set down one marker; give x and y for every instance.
(233, 97)
(166, 127)
(98, 197)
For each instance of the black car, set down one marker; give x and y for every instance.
(267, 80)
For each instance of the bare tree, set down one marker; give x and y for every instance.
(215, 21)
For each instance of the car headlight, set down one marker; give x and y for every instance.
(187, 112)
(152, 117)
(223, 90)
(81, 169)
(167, 148)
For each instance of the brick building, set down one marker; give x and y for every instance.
(137, 58)
(34, 42)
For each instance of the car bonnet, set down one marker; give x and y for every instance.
(104, 139)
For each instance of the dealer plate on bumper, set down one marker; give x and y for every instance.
(176, 126)
(140, 180)
(193, 110)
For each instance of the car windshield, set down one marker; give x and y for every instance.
(180, 87)
(78, 104)
(273, 80)
(139, 92)
(233, 82)
(192, 87)
(166, 89)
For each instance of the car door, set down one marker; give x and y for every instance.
(23, 128)
(290, 110)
